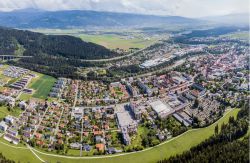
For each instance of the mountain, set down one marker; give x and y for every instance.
(50, 54)
(57, 45)
(32, 18)
(241, 19)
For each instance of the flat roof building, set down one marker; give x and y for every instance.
(3, 126)
(161, 109)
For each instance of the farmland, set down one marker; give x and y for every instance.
(114, 41)
(42, 85)
(108, 39)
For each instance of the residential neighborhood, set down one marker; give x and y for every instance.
(98, 118)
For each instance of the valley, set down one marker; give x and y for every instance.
(106, 86)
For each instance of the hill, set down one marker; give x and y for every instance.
(31, 18)
(51, 54)
(65, 46)
(241, 19)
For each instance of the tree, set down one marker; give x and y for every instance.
(216, 129)
(196, 103)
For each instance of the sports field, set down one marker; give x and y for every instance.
(171, 147)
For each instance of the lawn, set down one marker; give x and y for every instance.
(25, 96)
(42, 85)
(14, 111)
(137, 140)
(174, 146)
(19, 154)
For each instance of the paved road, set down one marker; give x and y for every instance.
(37, 126)
(75, 100)
(35, 151)
(115, 58)
(178, 63)
(57, 125)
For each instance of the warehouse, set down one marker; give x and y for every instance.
(161, 109)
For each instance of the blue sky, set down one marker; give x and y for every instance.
(188, 8)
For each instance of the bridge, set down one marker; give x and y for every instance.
(12, 57)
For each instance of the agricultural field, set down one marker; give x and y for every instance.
(115, 41)
(244, 35)
(169, 148)
(132, 39)
(41, 85)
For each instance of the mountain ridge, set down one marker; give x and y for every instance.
(84, 18)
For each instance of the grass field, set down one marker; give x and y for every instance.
(21, 154)
(114, 41)
(111, 41)
(174, 146)
(14, 112)
(244, 35)
(42, 85)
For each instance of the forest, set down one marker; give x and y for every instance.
(53, 45)
(58, 56)
(214, 32)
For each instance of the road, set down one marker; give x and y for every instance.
(178, 63)
(74, 104)
(37, 126)
(57, 125)
(114, 58)
(36, 152)
(73, 107)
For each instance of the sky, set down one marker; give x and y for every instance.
(187, 8)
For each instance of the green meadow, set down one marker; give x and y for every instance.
(41, 85)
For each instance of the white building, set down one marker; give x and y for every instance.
(9, 119)
(161, 109)
(3, 126)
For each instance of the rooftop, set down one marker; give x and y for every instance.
(160, 108)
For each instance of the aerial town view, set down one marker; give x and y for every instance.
(128, 81)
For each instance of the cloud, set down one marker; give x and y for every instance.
(188, 8)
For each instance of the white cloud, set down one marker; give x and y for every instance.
(188, 8)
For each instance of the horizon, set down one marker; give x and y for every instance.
(183, 8)
(44, 10)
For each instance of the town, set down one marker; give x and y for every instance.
(92, 117)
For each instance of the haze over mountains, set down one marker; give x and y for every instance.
(34, 18)
(75, 18)
(232, 19)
